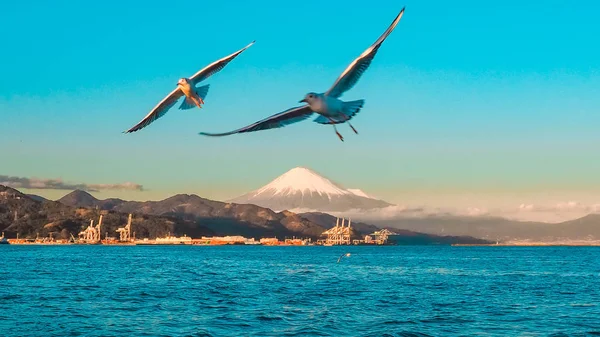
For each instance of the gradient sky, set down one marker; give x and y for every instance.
(492, 100)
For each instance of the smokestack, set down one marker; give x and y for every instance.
(337, 221)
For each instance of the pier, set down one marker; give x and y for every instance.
(340, 234)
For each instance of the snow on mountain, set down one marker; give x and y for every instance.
(359, 192)
(303, 180)
(303, 189)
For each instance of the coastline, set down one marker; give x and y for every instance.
(533, 244)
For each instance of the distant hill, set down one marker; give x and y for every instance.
(36, 197)
(404, 237)
(80, 198)
(587, 227)
(494, 228)
(34, 217)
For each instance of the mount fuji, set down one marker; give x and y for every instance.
(302, 189)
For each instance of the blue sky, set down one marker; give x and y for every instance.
(463, 96)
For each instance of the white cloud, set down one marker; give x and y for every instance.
(403, 211)
(567, 206)
(58, 184)
(557, 212)
(526, 207)
(476, 211)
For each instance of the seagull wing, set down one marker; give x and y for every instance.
(216, 66)
(159, 110)
(279, 120)
(355, 70)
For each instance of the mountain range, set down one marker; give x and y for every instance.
(222, 218)
(304, 201)
(244, 219)
(252, 220)
(586, 228)
(177, 215)
(303, 189)
(29, 217)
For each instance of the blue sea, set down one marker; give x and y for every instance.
(299, 291)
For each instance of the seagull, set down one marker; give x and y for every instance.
(194, 96)
(330, 108)
(346, 255)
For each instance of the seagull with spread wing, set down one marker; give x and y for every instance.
(330, 108)
(194, 96)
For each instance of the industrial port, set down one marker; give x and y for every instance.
(340, 234)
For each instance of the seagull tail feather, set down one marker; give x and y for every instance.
(202, 91)
(353, 107)
(349, 109)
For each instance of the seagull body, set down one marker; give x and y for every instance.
(328, 105)
(194, 96)
(190, 93)
(333, 110)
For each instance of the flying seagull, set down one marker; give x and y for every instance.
(346, 255)
(194, 96)
(330, 108)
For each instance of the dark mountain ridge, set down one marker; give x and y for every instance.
(29, 218)
(244, 219)
(496, 228)
(182, 213)
(177, 215)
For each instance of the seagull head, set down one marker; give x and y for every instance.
(309, 98)
(182, 81)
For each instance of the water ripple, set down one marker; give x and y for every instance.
(299, 291)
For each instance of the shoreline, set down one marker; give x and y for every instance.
(531, 244)
(536, 244)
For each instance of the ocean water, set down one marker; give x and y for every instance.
(299, 291)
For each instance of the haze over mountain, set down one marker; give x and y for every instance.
(496, 228)
(302, 189)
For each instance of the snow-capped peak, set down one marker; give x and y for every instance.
(359, 192)
(303, 188)
(304, 180)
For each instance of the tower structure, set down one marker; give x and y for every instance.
(339, 234)
(125, 232)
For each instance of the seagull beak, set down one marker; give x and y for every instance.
(302, 100)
